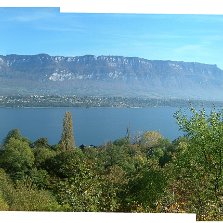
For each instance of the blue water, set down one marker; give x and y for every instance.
(91, 125)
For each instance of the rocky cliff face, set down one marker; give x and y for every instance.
(109, 75)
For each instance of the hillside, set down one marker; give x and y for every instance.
(109, 76)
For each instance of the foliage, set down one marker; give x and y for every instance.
(66, 163)
(6, 187)
(81, 192)
(40, 178)
(42, 155)
(78, 186)
(67, 138)
(25, 197)
(198, 164)
(151, 174)
(145, 189)
(151, 139)
(15, 133)
(41, 143)
(17, 157)
(3, 205)
(114, 181)
(122, 141)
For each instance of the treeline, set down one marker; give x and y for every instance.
(144, 174)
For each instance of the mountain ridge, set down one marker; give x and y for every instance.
(109, 75)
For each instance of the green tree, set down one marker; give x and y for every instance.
(26, 197)
(17, 157)
(40, 178)
(151, 139)
(3, 204)
(82, 192)
(41, 143)
(78, 184)
(198, 163)
(42, 155)
(66, 164)
(6, 188)
(15, 133)
(67, 139)
(144, 190)
(114, 182)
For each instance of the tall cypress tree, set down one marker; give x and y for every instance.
(67, 139)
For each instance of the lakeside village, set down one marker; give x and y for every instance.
(99, 101)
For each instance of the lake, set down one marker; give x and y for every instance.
(91, 125)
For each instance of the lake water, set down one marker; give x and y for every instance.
(91, 125)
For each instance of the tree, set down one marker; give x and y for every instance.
(66, 164)
(15, 133)
(26, 197)
(67, 139)
(42, 155)
(144, 190)
(198, 165)
(17, 157)
(6, 188)
(151, 139)
(78, 184)
(3, 205)
(41, 143)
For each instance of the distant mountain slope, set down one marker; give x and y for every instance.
(109, 75)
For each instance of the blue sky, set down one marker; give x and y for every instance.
(196, 38)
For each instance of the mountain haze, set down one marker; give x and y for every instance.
(109, 76)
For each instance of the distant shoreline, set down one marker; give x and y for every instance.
(49, 101)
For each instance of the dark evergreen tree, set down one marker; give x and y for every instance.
(41, 143)
(67, 139)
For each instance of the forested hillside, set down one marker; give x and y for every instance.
(147, 173)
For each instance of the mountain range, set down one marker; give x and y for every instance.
(109, 76)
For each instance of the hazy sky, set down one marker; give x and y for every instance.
(197, 38)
